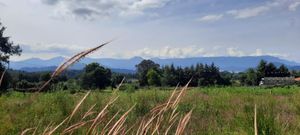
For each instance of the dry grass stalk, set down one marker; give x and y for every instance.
(104, 130)
(118, 125)
(70, 62)
(183, 123)
(255, 121)
(121, 83)
(27, 130)
(76, 126)
(180, 95)
(168, 129)
(100, 115)
(47, 128)
(54, 129)
(2, 76)
(160, 119)
(78, 105)
(158, 113)
(89, 112)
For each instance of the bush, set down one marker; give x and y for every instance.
(129, 87)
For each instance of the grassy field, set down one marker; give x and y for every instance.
(228, 110)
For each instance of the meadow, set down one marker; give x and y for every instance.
(215, 110)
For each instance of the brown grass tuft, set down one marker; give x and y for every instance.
(70, 62)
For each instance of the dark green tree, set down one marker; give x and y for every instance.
(251, 77)
(45, 77)
(261, 69)
(283, 71)
(210, 76)
(143, 68)
(95, 77)
(169, 77)
(153, 78)
(116, 79)
(271, 70)
(7, 49)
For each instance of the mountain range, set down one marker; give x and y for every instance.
(128, 65)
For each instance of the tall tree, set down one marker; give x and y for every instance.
(169, 77)
(283, 71)
(143, 68)
(251, 77)
(271, 70)
(153, 78)
(95, 76)
(7, 49)
(261, 69)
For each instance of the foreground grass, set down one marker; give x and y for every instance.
(228, 110)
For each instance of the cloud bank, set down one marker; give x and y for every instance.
(249, 12)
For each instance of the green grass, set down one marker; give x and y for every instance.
(223, 110)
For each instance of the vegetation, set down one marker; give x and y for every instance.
(95, 76)
(224, 110)
(7, 49)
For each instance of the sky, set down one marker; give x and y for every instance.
(154, 28)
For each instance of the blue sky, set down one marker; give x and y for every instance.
(154, 28)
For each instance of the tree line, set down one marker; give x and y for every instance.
(150, 73)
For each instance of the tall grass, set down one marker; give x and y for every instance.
(228, 110)
(161, 119)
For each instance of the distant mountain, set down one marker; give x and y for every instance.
(52, 68)
(128, 65)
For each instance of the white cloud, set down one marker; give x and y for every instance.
(258, 52)
(60, 49)
(53, 50)
(249, 12)
(210, 18)
(235, 52)
(171, 52)
(26, 56)
(294, 6)
(92, 9)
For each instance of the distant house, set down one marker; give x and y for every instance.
(277, 81)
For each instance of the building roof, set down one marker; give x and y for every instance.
(297, 79)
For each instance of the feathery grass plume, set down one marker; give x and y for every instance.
(2, 76)
(183, 123)
(255, 121)
(70, 62)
